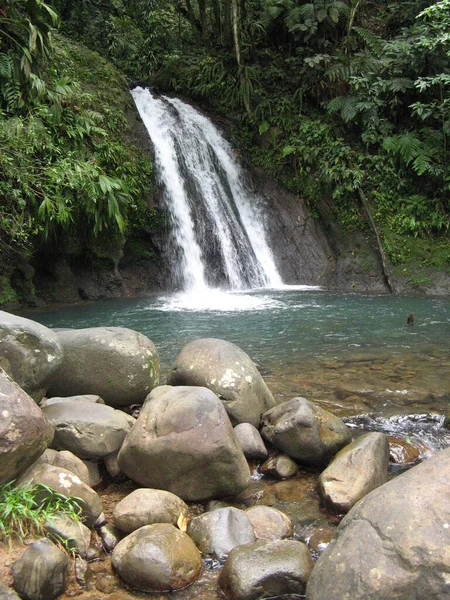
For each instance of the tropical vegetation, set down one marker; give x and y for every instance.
(345, 102)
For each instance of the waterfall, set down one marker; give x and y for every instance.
(218, 223)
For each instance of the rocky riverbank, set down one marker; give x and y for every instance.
(207, 482)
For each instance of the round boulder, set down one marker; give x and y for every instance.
(219, 531)
(24, 431)
(307, 433)
(250, 441)
(355, 471)
(69, 485)
(281, 467)
(157, 558)
(29, 352)
(395, 543)
(183, 442)
(230, 373)
(117, 364)
(86, 429)
(42, 572)
(266, 570)
(146, 507)
(269, 523)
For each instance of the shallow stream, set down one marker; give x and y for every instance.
(353, 354)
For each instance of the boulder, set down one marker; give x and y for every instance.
(86, 429)
(67, 460)
(402, 452)
(219, 531)
(75, 536)
(267, 569)
(110, 536)
(118, 364)
(250, 441)
(24, 431)
(145, 507)
(281, 467)
(305, 432)
(69, 485)
(7, 593)
(230, 373)
(395, 543)
(355, 471)
(269, 523)
(183, 442)
(42, 572)
(85, 398)
(157, 558)
(29, 352)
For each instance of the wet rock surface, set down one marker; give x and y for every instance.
(229, 372)
(118, 364)
(304, 431)
(157, 558)
(42, 572)
(183, 442)
(29, 352)
(266, 570)
(24, 431)
(394, 542)
(355, 471)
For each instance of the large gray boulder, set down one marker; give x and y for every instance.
(395, 543)
(355, 471)
(67, 484)
(250, 441)
(117, 364)
(146, 507)
(183, 442)
(42, 572)
(305, 432)
(267, 569)
(219, 531)
(24, 431)
(230, 373)
(29, 352)
(88, 430)
(75, 536)
(157, 558)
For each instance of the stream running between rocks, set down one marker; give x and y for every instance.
(354, 355)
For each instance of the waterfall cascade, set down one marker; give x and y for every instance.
(218, 224)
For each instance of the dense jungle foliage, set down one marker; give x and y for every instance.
(344, 100)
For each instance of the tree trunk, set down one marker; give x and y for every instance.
(218, 20)
(203, 20)
(384, 267)
(227, 22)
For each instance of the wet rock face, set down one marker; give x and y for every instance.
(118, 364)
(157, 558)
(401, 532)
(42, 572)
(24, 431)
(230, 373)
(250, 441)
(146, 507)
(305, 432)
(269, 523)
(266, 569)
(86, 429)
(183, 442)
(281, 467)
(219, 531)
(29, 352)
(355, 471)
(75, 535)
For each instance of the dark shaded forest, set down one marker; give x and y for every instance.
(344, 103)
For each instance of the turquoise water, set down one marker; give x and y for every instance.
(352, 353)
(280, 327)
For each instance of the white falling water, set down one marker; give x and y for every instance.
(218, 224)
